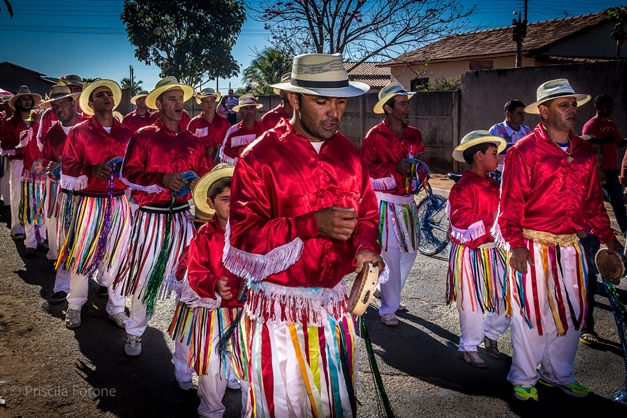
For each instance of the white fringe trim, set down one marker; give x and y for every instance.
(153, 188)
(228, 160)
(385, 183)
(188, 296)
(498, 237)
(256, 267)
(240, 141)
(474, 231)
(73, 183)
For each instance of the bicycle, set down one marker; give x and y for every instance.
(433, 222)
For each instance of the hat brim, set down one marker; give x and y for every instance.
(83, 101)
(609, 264)
(378, 108)
(151, 99)
(238, 107)
(47, 104)
(36, 99)
(139, 96)
(199, 194)
(218, 97)
(458, 152)
(354, 88)
(533, 108)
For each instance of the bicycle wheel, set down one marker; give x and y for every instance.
(434, 225)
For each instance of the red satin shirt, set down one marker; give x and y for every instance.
(134, 121)
(473, 201)
(11, 135)
(54, 141)
(382, 149)
(211, 134)
(542, 191)
(155, 151)
(607, 132)
(279, 184)
(238, 138)
(30, 149)
(48, 120)
(205, 267)
(154, 116)
(89, 144)
(272, 117)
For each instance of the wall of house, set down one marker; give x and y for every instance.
(597, 44)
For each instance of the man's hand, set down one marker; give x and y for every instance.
(374, 258)
(518, 259)
(403, 166)
(613, 245)
(173, 181)
(223, 289)
(421, 156)
(101, 171)
(192, 183)
(336, 222)
(51, 166)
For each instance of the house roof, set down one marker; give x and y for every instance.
(370, 73)
(5, 63)
(499, 42)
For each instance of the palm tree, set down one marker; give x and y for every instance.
(266, 69)
(126, 85)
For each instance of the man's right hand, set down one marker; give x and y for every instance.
(336, 222)
(403, 166)
(518, 259)
(51, 166)
(101, 171)
(173, 181)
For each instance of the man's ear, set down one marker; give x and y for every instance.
(210, 203)
(293, 99)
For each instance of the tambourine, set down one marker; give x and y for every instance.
(115, 164)
(38, 168)
(188, 175)
(610, 265)
(363, 289)
(56, 173)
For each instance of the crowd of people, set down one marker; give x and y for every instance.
(285, 207)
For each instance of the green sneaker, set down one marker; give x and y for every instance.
(525, 392)
(575, 389)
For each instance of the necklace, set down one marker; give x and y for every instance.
(567, 152)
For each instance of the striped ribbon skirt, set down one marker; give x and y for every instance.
(32, 201)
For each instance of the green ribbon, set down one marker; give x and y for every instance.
(382, 395)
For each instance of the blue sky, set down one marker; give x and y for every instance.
(87, 38)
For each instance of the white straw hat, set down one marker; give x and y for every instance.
(139, 95)
(83, 101)
(389, 91)
(475, 138)
(247, 100)
(164, 85)
(552, 90)
(58, 92)
(206, 92)
(25, 91)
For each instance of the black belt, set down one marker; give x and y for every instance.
(164, 208)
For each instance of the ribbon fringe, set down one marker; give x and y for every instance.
(153, 188)
(73, 183)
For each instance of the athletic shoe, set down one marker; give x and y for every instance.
(492, 347)
(18, 235)
(401, 308)
(575, 389)
(72, 318)
(233, 384)
(57, 297)
(186, 385)
(525, 392)
(103, 291)
(52, 266)
(43, 247)
(389, 320)
(29, 253)
(120, 319)
(133, 346)
(472, 358)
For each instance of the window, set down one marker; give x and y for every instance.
(481, 65)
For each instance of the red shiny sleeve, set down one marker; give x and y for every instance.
(134, 167)
(597, 217)
(8, 141)
(201, 162)
(376, 168)
(199, 273)
(73, 158)
(468, 226)
(514, 191)
(253, 229)
(366, 232)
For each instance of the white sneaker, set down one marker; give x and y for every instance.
(233, 384)
(133, 346)
(73, 318)
(186, 385)
(120, 319)
(389, 319)
(401, 308)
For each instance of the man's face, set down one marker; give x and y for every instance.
(208, 103)
(102, 100)
(75, 88)
(605, 108)
(401, 108)
(171, 105)
(141, 104)
(248, 113)
(319, 116)
(64, 109)
(221, 204)
(598, 152)
(515, 118)
(561, 114)
(490, 160)
(230, 93)
(26, 102)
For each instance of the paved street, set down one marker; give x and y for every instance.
(48, 370)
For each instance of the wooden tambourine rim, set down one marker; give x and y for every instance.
(363, 289)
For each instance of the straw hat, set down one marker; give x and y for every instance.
(475, 138)
(285, 78)
(321, 75)
(552, 90)
(83, 101)
(139, 95)
(609, 265)
(206, 92)
(58, 92)
(203, 210)
(165, 84)
(25, 91)
(118, 116)
(389, 91)
(247, 100)
(6, 99)
(72, 80)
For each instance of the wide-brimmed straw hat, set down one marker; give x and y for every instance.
(321, 75)
(285, 78)
(389, 91)
(118, 116)
(58, 92)
(25, 91)
(206, 92)
(203, 210)
(609, 264)
(247, 100)
(552, 90)
(72, 80)
(139, 95)
(83, 101)
(6, 98)
(475, 138)
(166, 84)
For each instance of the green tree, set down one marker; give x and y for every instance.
(360, 30)
(126, 85)
(619, 15)
(266, 69)
(442, 84)
(188, 39)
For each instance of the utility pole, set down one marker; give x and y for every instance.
(132, 82)
(520, 33)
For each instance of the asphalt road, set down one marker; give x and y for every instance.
(418, 359)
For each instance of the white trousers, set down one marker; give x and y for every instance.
(62, 281)
(31, 238)
(179, 358)
(5, 187)
(474, 328)
(399, 263)
(15, 185)
(137, 319)
(79, 289)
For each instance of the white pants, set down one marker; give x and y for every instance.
(5, 188)
(212, 386)
(31, 238)
(15, 184)
(474, 328)
(53, 238)
(399, 263)
(62, 281)
(137, 318)
(79, 289)
(179, 358)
